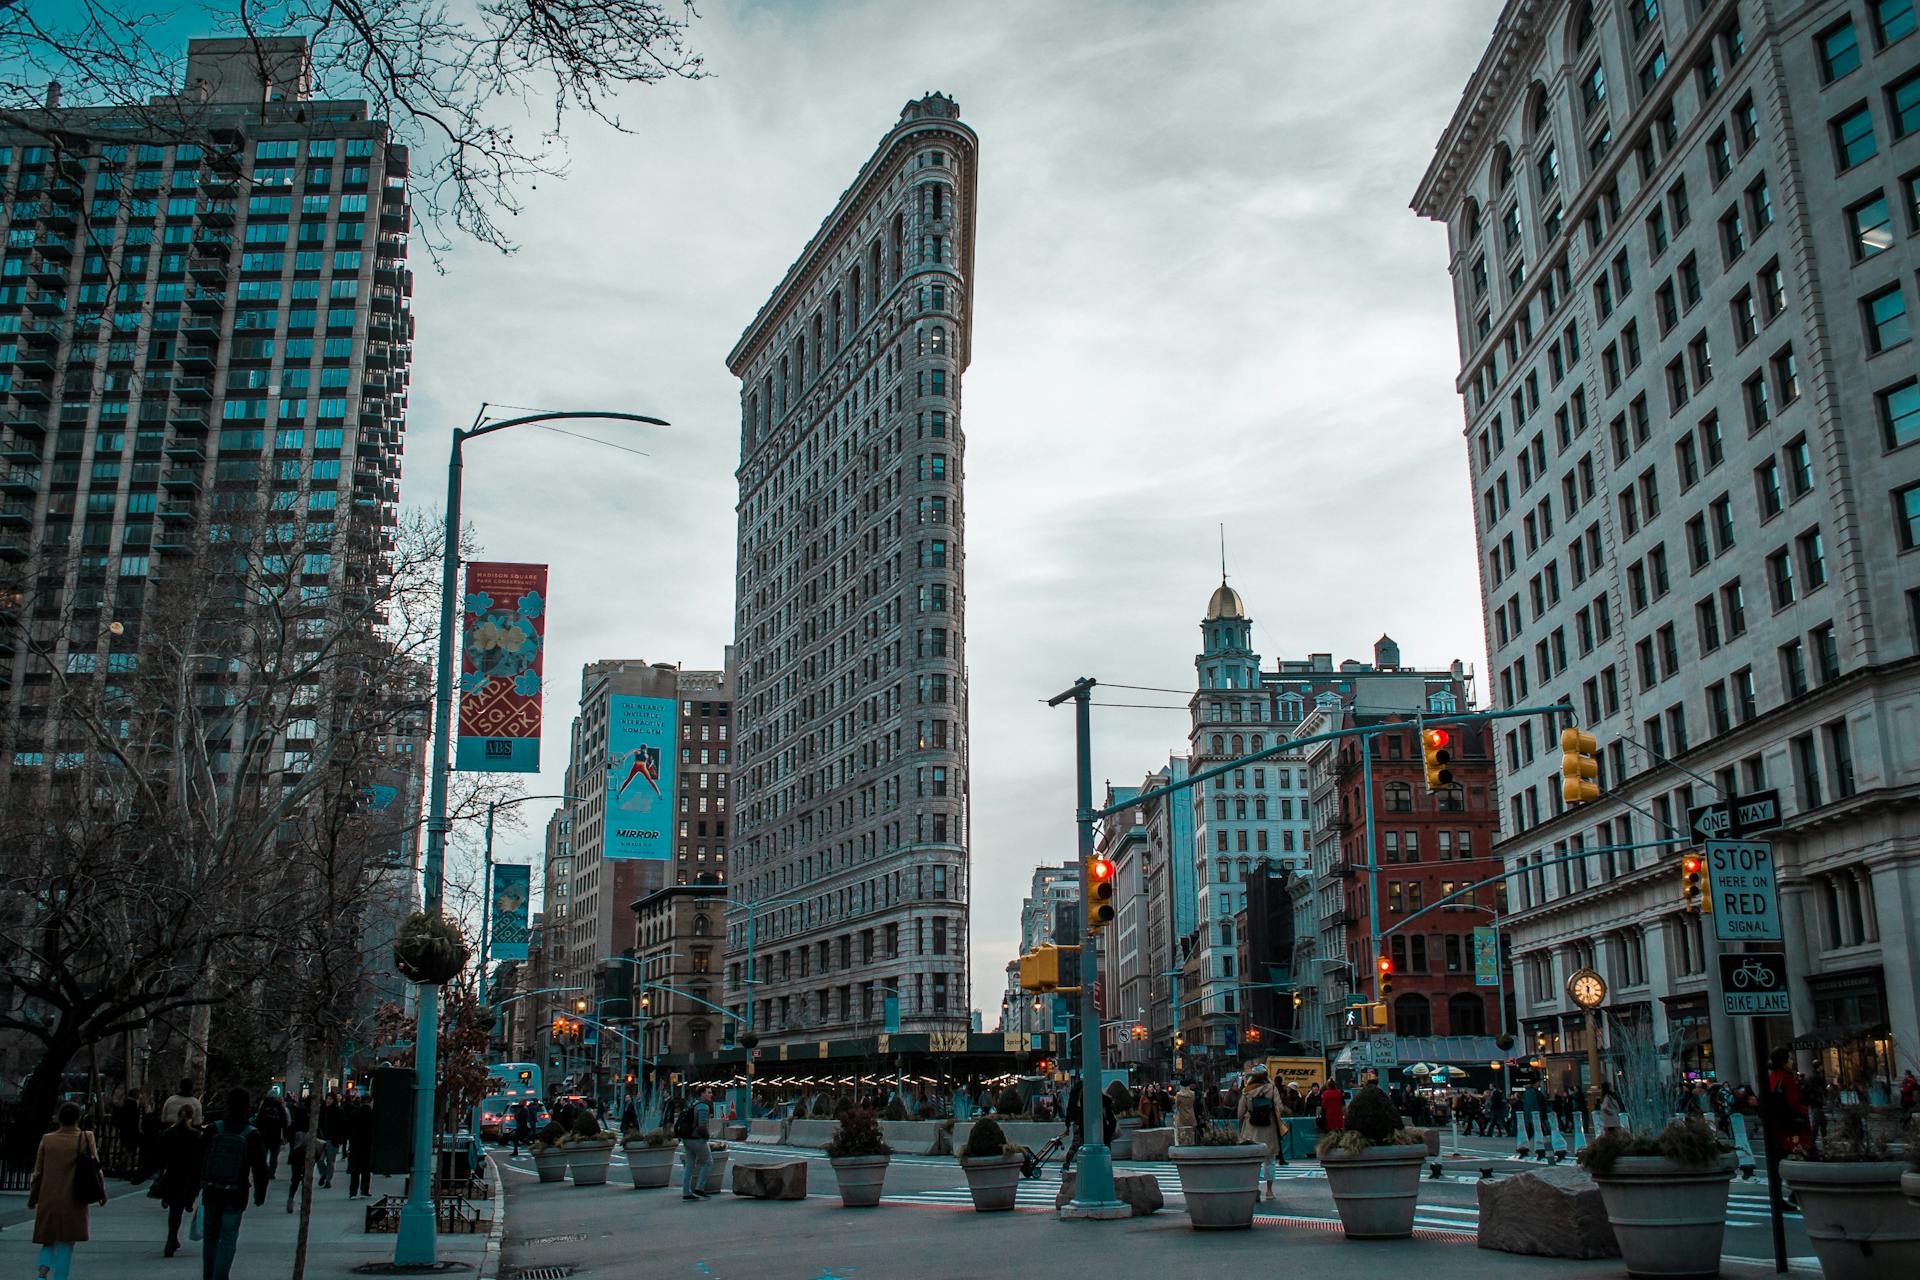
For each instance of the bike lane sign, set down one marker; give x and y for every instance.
(1754, 985)
(1746, 899)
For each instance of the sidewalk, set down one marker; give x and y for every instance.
(129, 1232)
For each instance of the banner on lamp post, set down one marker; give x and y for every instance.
(512, 892)
(1486, 957)
(640, 773)
(502, 651)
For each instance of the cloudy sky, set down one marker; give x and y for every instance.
(1199, 298)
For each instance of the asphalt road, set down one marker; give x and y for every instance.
(615, 1231)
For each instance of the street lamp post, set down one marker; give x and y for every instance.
(486, 880)
(415, 1243)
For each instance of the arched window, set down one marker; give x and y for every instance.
(1470, 221)
(1399, 797)
(939, 339)
(1259, 741)
(702, 926)
(1502, 167)
(1466, 1015)
(1412, 1016)
(1219, 745)
(1539, 110)
(1239, 743)
(1583, 25)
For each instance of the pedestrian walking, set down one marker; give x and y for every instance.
(1786, 1117)
(696, 1155)
(67, 1161)
(359, 1149)
(170, 1109)
(1333, 1108)
(1909, 1092)
(233, 1162)
(1609, 1107)
(299, 1148)
(332, 1125)
(174, 1164)
(1186, 1120)
(1261, 1122)
(271, 1121)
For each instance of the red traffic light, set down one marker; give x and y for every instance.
(1690, 864)
(1100, 868)
(1436, 739)
(1386, 964)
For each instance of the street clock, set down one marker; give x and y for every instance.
(1588, 989)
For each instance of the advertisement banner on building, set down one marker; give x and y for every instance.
(1486, 957)
(512, 896)
(639, 778)
(502, 651)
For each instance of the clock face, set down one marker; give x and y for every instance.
(1587, 988)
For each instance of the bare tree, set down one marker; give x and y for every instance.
(178, 772)
(480, 93)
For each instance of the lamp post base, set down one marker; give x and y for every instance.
(1104, 1211)
(1094, 1198)
(416, 1242)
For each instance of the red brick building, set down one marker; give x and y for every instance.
(1427, 846)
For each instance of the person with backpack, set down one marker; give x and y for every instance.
(174, 1162)
(271, 1121)
(1260, 1122)
(696, 1156)
(233, 1162)
(60, 1167)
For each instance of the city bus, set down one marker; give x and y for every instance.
(508, 1084)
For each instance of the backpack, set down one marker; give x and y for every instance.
(686, 1125)
(225, 1165)
(1260, 1111)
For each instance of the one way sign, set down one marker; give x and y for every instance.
(1736, 817)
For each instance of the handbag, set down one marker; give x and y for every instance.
(89, 1186)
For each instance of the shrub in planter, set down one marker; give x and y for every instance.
(859, 1153)
(1666, 1195)
(992, 1165)
(1219, 1177)
(1850, 1191)
(549, 1155)
(1373, 1168)
(429, 949)
(650, 1157)
(589, 1148)
(1910, 1180)
(1009, 1103)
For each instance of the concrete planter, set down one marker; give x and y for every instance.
(1152, 1144)
(1375, 1190)
(861, 1179)
(1859, 1224)
(993, 1181)
(717, 1175)
(1219, 1184)
(1670, 1219)
(1123, 1137)
(1910, 1188)
(551, 1164)
(587, 1162)
(650, 1166)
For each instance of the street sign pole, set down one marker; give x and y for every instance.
(1754, 985)
(1771, 1149)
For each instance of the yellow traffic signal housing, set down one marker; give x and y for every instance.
(1579, 770)
(1436, 748)
(1694, 894)
(1099, 893)
(1050, 968)
(1377, 1014)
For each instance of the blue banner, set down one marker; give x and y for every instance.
(1486, 957)
(640, 773)
(512, 891)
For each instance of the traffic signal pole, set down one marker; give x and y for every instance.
(1093, 1196)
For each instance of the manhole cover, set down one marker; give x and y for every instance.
(549, 1272)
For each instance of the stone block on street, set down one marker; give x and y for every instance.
(1151, 1144)
(779, 1180)
(1552, 1213)
(1139, 1191)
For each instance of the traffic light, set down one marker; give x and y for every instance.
(1579, 771)
(1436, 746)
(1099, 894)
(1253, 1035)
(1377, 1015)
(1139, 1032)
(1298, 999)
(559, 1027)
(1692, 870)
(579, 1006)
(1385, 965)
(1050, 968)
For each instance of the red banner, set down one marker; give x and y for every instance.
(502, 655)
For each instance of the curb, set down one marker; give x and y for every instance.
(489, 1268)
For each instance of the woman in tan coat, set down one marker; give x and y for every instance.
(60, 1219)
(1260, 1121)
(1185, 1121)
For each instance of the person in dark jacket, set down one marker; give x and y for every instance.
(332, 1135)
(359, 1149)
(299, 1146)
(174, 1164)
(226, 1178)
(271, 1121)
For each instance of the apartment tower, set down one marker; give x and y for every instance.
(1681, 236)
(850, 785)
